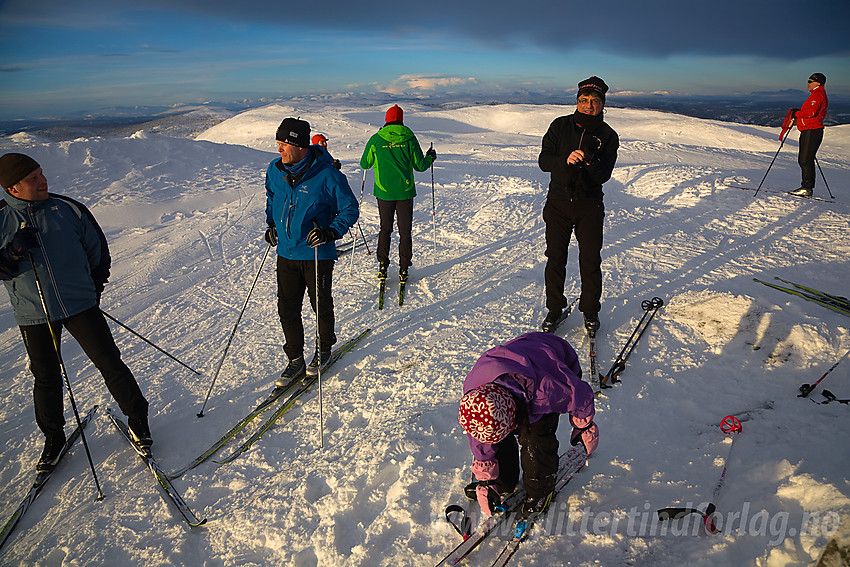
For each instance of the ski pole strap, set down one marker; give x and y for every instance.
(675, 513)
(465, 526)
(805, 390)
(830, 397)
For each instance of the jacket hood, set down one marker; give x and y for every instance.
(395, 133)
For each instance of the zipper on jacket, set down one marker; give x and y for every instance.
(49, 271)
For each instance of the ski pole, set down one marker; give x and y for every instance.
(233, 332)
(806, 389)
(319, 347)
(730, 424)
(781, 143)
(64, 374)
(354, 242)
(175, 359)
(650, 307)
(824, 178)
(433, 205)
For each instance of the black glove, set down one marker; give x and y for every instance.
(23, 241)
(794, 112)
(319, 236)
(337, 164)
(432, 152)
(271, 235)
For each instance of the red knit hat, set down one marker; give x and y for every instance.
(488, 413)
(318, 138)
(394, 114)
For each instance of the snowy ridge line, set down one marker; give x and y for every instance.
(41, 479)
(569, 462)
(306, 384)
(164, 483)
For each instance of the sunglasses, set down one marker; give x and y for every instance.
(812, 81)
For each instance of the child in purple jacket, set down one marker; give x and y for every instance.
(520, 389)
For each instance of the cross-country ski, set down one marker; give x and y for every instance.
(152, 464)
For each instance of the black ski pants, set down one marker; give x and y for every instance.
(403, 212)
(585, 217)
(539, 457)
(293, 278)
(91, 331)
(810, 141)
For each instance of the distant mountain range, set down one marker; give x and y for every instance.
(761, 109)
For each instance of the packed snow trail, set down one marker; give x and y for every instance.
(185, 221)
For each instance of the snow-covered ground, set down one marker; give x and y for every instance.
(185, 219)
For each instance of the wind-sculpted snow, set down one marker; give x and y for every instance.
(185, 220)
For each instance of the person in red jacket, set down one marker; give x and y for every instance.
(810, 123)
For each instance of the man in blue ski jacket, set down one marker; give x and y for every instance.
(54, 241)
(309, 205)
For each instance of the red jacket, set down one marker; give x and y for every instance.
(813, 111)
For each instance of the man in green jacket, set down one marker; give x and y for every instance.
(394, 152)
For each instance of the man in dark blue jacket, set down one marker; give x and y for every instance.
(309, 204)
(57, 240)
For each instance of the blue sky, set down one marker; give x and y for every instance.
(60, 58)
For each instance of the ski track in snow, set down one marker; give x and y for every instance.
(185, 221)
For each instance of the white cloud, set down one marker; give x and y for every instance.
(407, 83)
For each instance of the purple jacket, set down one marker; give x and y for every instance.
(541, 370)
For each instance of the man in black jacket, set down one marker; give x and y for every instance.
(580, 151)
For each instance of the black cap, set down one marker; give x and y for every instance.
(14, 167)
(294, 131)
(593, 85)
(819, 77)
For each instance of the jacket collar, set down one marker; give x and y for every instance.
(20, 204)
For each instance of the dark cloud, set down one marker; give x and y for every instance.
(784, 29)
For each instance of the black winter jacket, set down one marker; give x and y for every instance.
(582, 180)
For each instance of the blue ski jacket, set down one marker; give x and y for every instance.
(72, 264)
(321, 195)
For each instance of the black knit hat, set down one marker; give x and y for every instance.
(14, 167)
(294, 131)
(592, 85)
(819, 77)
